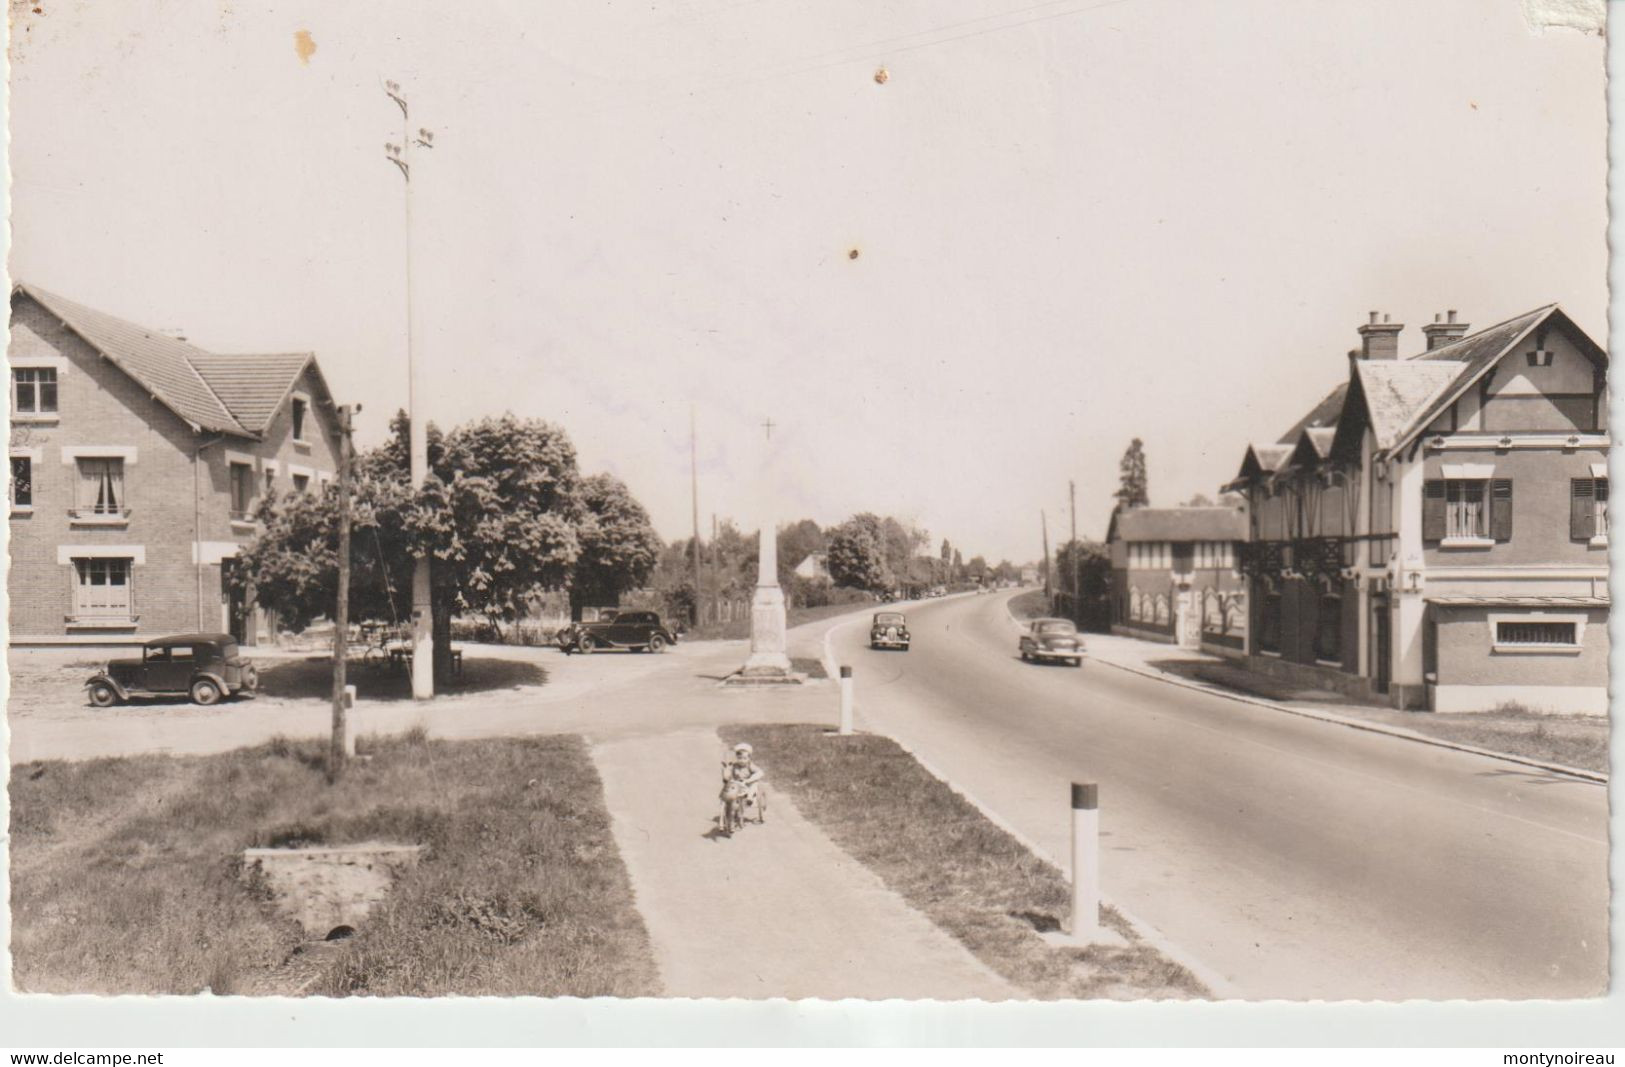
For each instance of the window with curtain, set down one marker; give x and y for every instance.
(101, 487)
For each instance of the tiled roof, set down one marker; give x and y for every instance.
(1473, 354)
(218, 393)
(252, 387)
(1180, 524)
(1324, 413)
(1271, 457)
(1397, 392)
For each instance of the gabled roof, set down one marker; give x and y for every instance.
(1320, 439)
(1324, 413)
(218, 393)
(1477, 353)
(1397, 392)
(253, 388)
(1178, 524)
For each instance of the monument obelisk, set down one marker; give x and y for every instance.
(768, 663)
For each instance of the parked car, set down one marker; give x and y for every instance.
(1052, 639)
(204, 667)
(889, 630)
(638, 631)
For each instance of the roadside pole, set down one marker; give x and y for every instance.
(343, 745)
(1085, 861)
(846, 701)
(1044, 522)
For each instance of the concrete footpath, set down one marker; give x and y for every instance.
(778, 910)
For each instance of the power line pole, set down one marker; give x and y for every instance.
(694, 469)
(422, 596)
(338, 748)
(1072, 497)
(1044, 520)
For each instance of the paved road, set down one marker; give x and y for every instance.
(1296, 859)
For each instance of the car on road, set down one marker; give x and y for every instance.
(636, 631)
(203, 667)
(889, 630)
(1052, 639)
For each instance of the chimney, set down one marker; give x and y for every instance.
(1444, 330)
(1380, 340)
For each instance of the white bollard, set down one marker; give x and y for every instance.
(846, 701)
(1085, 861)
(349, 721)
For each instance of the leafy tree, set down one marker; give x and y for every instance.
(1132, 491)
(498, 514)
(797, 541)
(1200, 500)
(958, 572)
(857, 558)
(618, 544)
(947, 551)
(977, 568)
(1089, 564)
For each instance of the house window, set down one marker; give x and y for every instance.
(270, 482)
(299, 409)
(101, 487)
(1538, 634)
(102, 588)
(242, 491)
(33, 390)
(1466, 512)
(1588, 512)
(1467, 509)
(301, 483)
(22, 482)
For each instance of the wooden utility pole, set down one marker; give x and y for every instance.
(694, 471)
(336, 751)
(1044, 520)
(1076, 581)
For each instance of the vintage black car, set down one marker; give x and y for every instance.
(889, 630)
(1049, 639)
(204, 667)
(638, 631)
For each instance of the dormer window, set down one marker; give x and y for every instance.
(300, 407)
(1540, 357)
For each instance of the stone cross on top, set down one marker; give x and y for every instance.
(768, 426)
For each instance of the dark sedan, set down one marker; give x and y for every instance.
(203, 667)
(1051, 639)
(637, 631)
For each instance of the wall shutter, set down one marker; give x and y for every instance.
(1582, 515)
(1501, 509)
(1433, 510)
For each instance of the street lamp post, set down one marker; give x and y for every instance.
(422, 607)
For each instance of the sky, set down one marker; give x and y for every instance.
(1049, 229)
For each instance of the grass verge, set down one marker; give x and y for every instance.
(1032, 604)
(936, 850)
(126, 875)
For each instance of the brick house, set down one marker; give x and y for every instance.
(1434, 533)
(1176, 576)
(136, 462)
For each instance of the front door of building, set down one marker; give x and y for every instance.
(1380, 644)
(237, 611)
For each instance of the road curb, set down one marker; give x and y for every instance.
(1594, 777)
(1220, 987)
